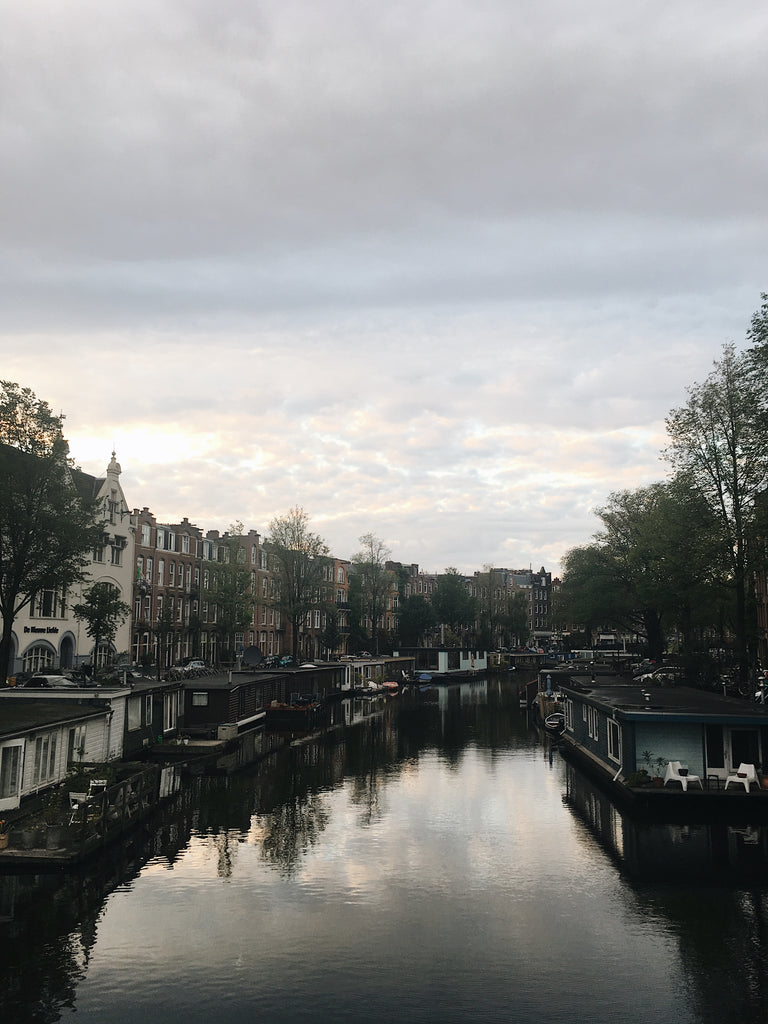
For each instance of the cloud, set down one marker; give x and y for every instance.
(435, 271)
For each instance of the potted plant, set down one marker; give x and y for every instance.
(3, 834)
(657, 765)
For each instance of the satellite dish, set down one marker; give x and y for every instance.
(252, 656)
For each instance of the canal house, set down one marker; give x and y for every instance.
(626, 729)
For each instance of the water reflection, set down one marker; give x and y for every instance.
(434, 860)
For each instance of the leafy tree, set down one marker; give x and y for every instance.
(515, 620)
(650, 566)
(103, 612)
(331, 636)
(454, 605)
(375, 580)
(301, 560)
(47, 526)
(416, 615)
(718, 438)
(165, 631)
(231, 589)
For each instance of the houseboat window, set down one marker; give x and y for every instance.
(199, 700)
(10, 765)
(592, 723)
(569, 715)
(715, 750)
(76, 742)
(745, 747)
(148, 710)
(614, 741)
(45, 758)
(134, 713)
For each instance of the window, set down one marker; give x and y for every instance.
(169, 712)
(340, 574)
(161, 571)
(199, 700)
(592, 723)
(171, 573)
(98, 550)
(44, 766)
(49, 604)
(10, 771)
(614, 741)
(185, 544)
(160, 538)
(148, 710)
(134, 713)
(146, 534)
(38, 659)
(76, 743)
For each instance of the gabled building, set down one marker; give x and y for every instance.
(46, 634)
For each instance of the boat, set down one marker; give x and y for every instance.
(555, 723)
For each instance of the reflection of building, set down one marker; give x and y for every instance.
(46, 634)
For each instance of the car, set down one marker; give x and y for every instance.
(286, 660)
(194, 665)
(50, 682)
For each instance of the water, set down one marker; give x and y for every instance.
(433, 863)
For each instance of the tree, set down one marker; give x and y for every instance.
(47, 525)
(301, 560)
(103, 612)
(165, 631)
(231, 589)
(719, 439)
(375, 580)
(453, 604)
(516, 618)
(416, 615)
(651, 567)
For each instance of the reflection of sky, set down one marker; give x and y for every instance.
(471, 885)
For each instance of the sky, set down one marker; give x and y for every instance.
(435, 271)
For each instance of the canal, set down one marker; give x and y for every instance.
(436, 861)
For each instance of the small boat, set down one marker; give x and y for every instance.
(555, 723)
(391, 689)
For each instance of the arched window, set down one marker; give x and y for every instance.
(38, 658)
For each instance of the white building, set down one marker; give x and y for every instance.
(46, 634)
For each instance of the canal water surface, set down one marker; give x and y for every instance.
(437, 861)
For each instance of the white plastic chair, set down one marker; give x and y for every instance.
(673, 774)
(745, 774)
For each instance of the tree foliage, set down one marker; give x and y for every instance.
(47, 524)
(301, 560)
(369, 564)
(231, 589)
(454, 605)
(416, 616)
(718, 438)
(649, 569)
(103, 612)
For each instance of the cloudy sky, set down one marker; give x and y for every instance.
(432, 270)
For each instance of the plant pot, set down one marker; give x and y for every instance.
(657, 782)
(53, 837)
(4, 840)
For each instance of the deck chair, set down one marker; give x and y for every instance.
(745, 774)
(75, 800)
(673, 774)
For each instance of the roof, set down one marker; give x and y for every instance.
(681, 703)
(18, 715)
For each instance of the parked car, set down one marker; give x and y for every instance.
(50, 682)
(194, 665)
(286, 660)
